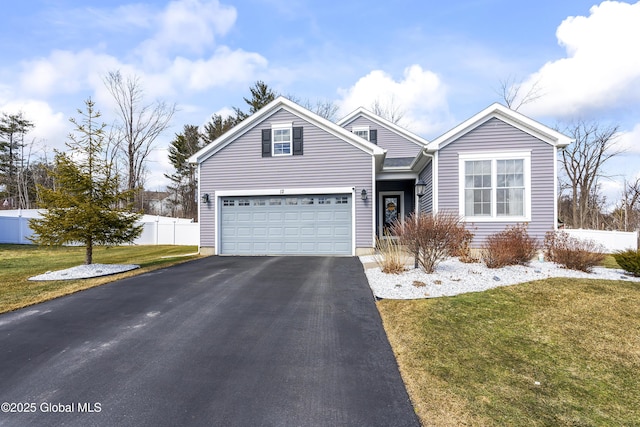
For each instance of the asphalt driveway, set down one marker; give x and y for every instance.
(221, 341)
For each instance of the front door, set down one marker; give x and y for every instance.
(391, 211)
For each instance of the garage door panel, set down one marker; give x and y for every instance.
(272, 225)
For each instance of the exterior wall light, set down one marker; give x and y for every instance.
(205, 198)
(363, 194)
(421, 188)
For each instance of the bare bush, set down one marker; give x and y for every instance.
(390, 256)
(512, 246)
(432, 237)
(572, 253)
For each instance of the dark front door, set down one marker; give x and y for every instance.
(391, 212)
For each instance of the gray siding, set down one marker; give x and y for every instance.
(426, 201)
(496, 135)
(327, 162)
(396, 145)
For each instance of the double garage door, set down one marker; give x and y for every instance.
(282, 225)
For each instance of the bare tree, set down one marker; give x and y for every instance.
(582, 162)
(139, 125)
(513, 94)
(323, 108)
(388, 110)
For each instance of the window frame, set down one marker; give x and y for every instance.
(525, 156)
(361, 129)
(280, 127)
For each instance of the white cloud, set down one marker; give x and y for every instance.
(187, 26)
(224, 67)
(421, 95)
(50, 128)
(630, 140)
(65, 72)
(602, 67)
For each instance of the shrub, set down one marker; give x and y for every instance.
(512, 246)
(432, 237)
(572, 253)
(390, 256)
(629, 260)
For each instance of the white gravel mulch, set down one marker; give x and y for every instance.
(85, 272)
(453, 277)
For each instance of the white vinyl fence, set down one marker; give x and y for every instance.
(14, 228)
(612, 240)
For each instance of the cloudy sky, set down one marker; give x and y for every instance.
(439, 62)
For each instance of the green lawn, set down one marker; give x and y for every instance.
(556, 352)
(19, 262)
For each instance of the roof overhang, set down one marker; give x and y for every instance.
(290, 106)
(518, 120)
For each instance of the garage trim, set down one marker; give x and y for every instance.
(283, 192)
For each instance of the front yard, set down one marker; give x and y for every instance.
(19, 262)
(552, 352)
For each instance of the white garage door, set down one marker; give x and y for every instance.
(281, 225)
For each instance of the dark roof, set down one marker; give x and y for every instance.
(398, 162)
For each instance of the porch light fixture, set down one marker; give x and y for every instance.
(205, 198)
(421, 188)
(363, 194)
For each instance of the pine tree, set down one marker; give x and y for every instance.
(84, 205)
(184, 183)
(13, 128)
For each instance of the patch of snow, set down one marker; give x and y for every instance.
(453, 277)
(85, 272)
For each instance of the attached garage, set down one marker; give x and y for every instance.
(295, 224)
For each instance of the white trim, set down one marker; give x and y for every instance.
(353, 221)
(421, 142)
(355, 129)
(392, 176)
(515, 119)
(290, 106)
(493, 157)
(436, 181)
(374, 205)
(555, 188)
(285, 191)
(281, 126)
(381, 210)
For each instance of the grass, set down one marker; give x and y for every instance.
(556, 352)
(19, 262)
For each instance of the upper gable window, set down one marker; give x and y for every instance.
(361, 131)
(495, 187)
(282, 139)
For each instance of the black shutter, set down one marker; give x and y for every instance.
(266, 142)
(373, 136)
(297, 141)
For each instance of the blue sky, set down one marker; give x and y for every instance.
(439, 62)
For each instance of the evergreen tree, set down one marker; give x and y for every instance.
(184, 183)
(217, 126)
(261, 95)
(84, 205)
(13, 128)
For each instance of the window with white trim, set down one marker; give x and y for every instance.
(361, 131)
(495, 186)
(281, 139)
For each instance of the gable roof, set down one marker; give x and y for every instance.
(290, 106)
(499, 111)
(363, 112)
